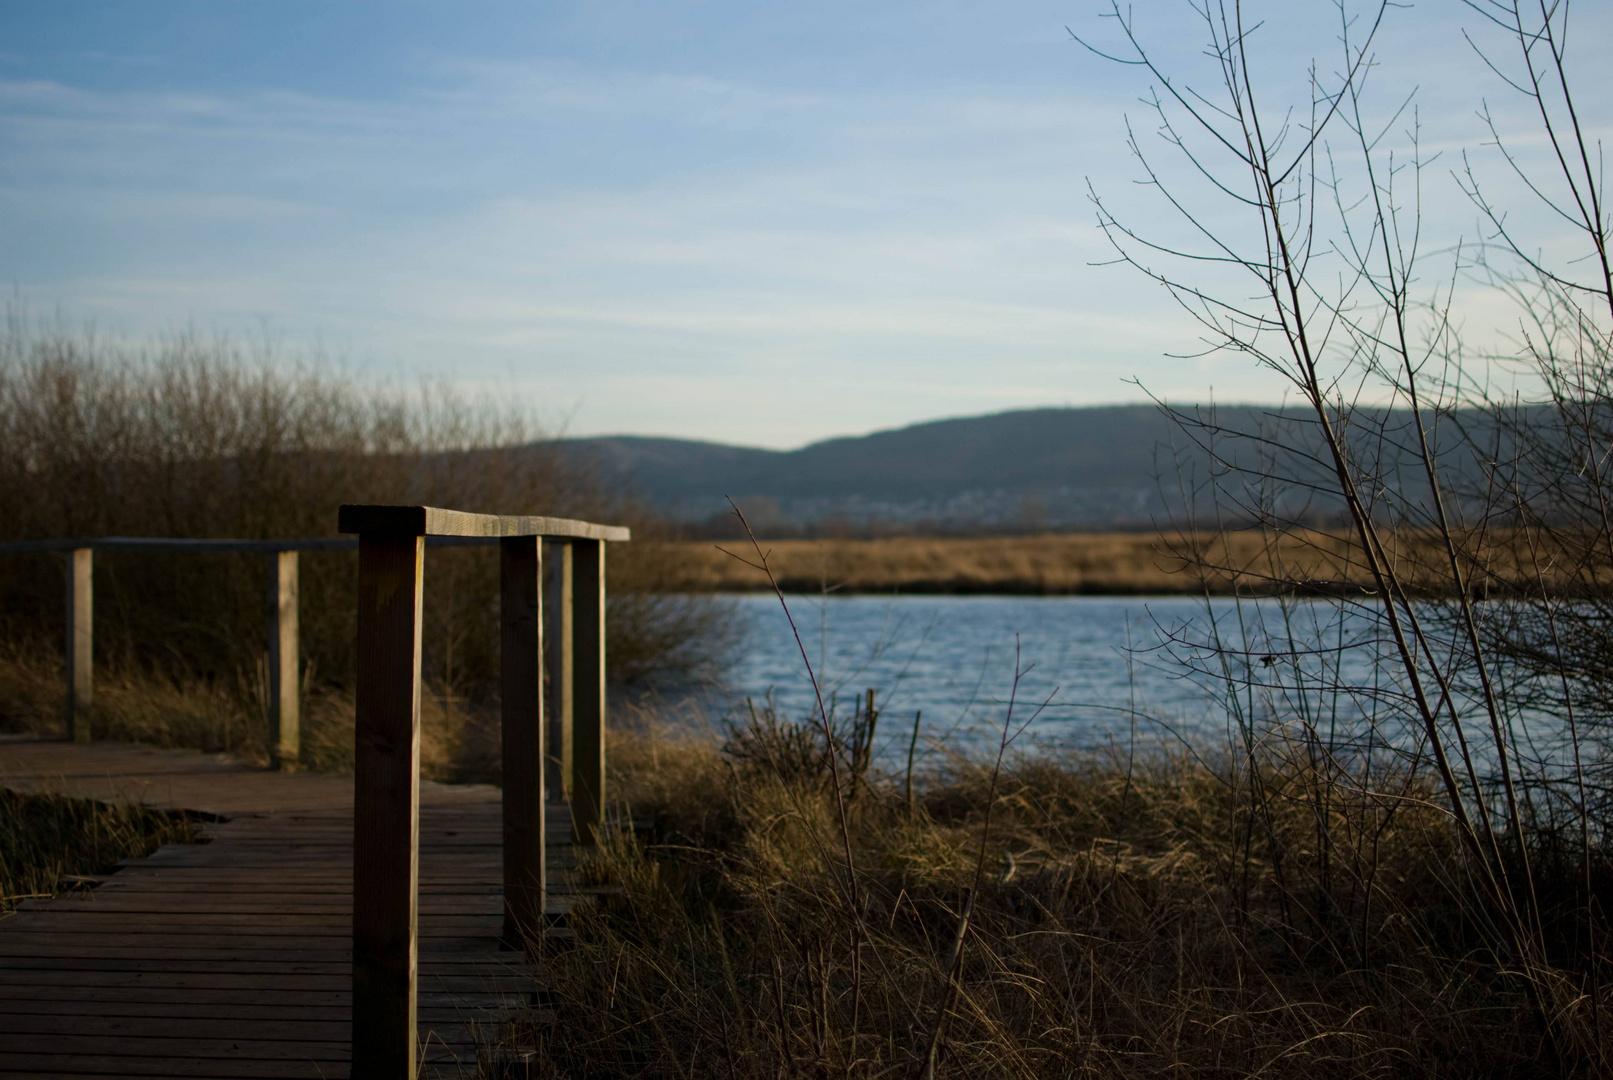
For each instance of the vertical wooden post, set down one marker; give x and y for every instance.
(588, 705)
(80, 642)
(560, 652)
(284, 685)
(521, 697)
(386, 807)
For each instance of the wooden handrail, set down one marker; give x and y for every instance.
(177, 545)
(194, 546)
(433, 521)
(391, 543)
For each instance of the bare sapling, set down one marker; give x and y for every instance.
(1330, 239)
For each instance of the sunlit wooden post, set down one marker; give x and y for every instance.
(284, 684)
(80, 642)
(588, 700)
(559, 653)
(386, 805)
(521, 698)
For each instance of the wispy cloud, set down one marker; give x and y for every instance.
(831, 235)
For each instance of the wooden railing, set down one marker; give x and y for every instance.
(391, 542)
(386, 765)
(284, 720)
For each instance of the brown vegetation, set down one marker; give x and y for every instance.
(1248, 562)
(48, 840)
(459, 739)
(196, 438)
(1163, 914)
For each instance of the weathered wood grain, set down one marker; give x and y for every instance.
(285, 682)
(559, 655)
(587, 796)
(192, 962)
(434, 521)
(386, 805)
(521, 725)
(80, 642)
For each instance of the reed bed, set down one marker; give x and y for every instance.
(1106, 913)
(459, 738)
(1248, 562)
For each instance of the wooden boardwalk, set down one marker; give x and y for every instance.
(233, 958)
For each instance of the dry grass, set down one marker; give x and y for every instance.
(201, 438)
(44, 838)
(1061, 563)
(1174, 915)
(1248, 562)
(459, 739)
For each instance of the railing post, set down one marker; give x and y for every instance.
(80, 642)
(386, 806)
(559, 653)
(521, 697)
(284, 685)
(588, 705)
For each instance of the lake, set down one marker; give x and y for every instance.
(1088, 665)
(1092, 669)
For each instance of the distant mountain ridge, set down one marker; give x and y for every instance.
(1093, 467)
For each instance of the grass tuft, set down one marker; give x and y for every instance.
(1135, 918)
(47, 838)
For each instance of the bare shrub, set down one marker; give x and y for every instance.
(1415, 693)
(205, 438)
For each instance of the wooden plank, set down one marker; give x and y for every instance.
(77, 1065)
(246, 903)
(80, 642)
(204, 949)
(284, 983)
(89, 920)
(442, 955)
(559, 655)
(63, 960)
(269, 884)
(285, 682)
(249, 901)
(521, 726)
(166, 545)
(234, 936)
(444, 1064)
(234, 1012)
(130, 1046)
(205, 1028)
(434, 521)
(286, 962)
(588, 703)
(194, 1010)
(386, 807)
(314, 856)
(239, 996)
(177, 545)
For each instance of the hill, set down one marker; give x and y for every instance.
(1106, 467)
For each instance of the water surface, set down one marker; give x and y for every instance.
(1081, 670)
(1086, 666)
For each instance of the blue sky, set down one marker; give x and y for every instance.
(754, 223)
